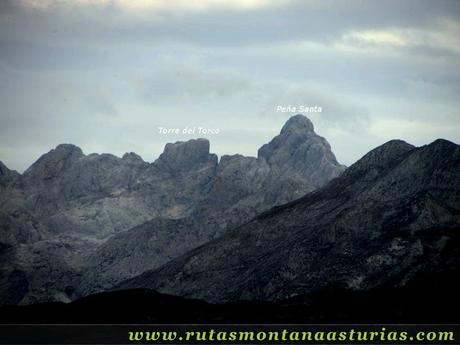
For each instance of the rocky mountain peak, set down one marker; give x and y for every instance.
(299, 150)
(50, 164)
(181, 156)
(69, 149)
(296, 132)
(61, 152)
(438, 154)
(132, 158)
(297, 123)
(442, 144)
(382, 156)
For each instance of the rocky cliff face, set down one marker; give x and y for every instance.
(75, 223)
(390, 216)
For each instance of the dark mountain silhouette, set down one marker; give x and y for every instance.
(428, 298)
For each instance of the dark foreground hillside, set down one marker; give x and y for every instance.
(429, 298)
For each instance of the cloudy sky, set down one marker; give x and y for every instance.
(105, 74)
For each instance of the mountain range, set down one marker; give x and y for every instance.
(288, 232)
(74, 224)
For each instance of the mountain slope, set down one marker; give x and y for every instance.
(390, 215)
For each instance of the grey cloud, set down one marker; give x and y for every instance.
(298, 20)
(178, 79)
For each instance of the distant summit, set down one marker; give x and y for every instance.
(382, 156)
(182, 156)
(298, 123)
(299, 150)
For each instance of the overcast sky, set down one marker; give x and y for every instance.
(105, 74)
